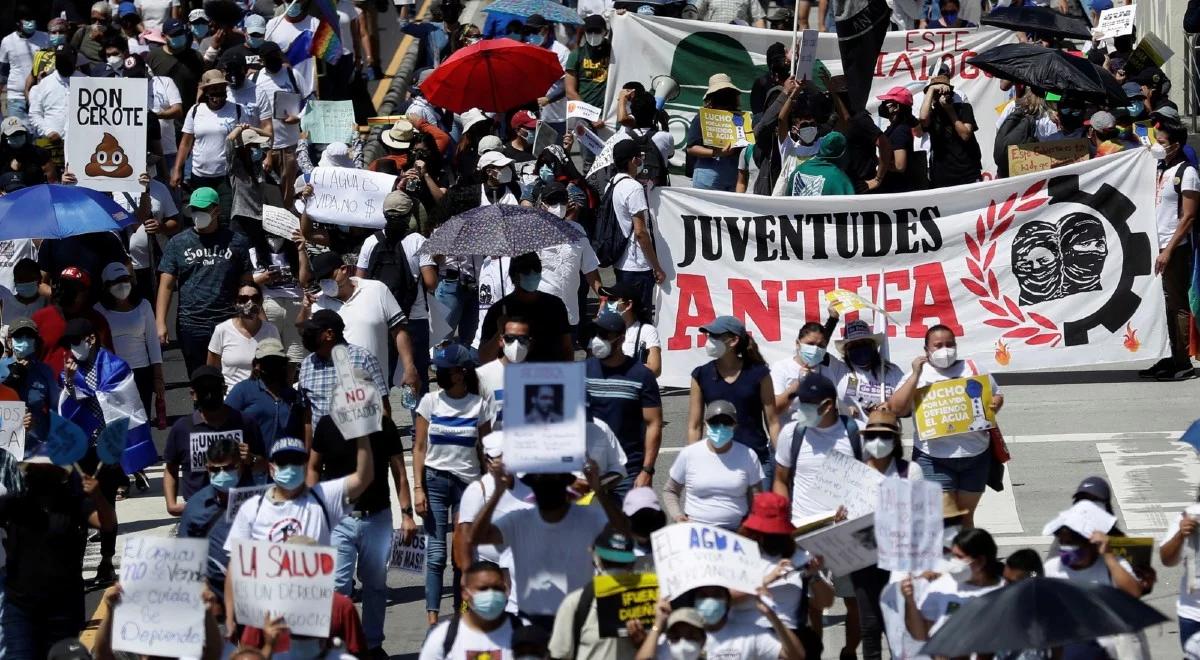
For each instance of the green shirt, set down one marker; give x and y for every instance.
(591, 73)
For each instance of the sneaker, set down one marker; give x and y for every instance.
(1177, 372)
(1157, 370)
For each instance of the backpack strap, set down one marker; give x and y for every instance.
(902, 468)
(321, 503)
(587, 596)
(451, 635)
(852, 433)
(797, 440)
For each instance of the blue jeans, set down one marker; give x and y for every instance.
(19, 108)
(1187, 628)
(462, 303)
(442, 493)
(418, 336)
(367, 542)
(643, 282)
(28, 635)
(193, 343)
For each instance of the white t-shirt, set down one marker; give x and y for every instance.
(491, 387)
(237, 350)
(162, 93)
(11, 252)
(1188, 605)
(640, 336)
(629, 199)
(817, 444)
(346, 14)
(17, 52)
(1166, 202)
(561, 265)
(961, 445)
(468, 642)
(557, 111)
(544, 573)
(945, 596)
(477, 494)
(859, 388)
(134, 336)
(14, 309)
(263, 519)
(601, 445)
(716, 484)
(1097, 573)
(161, 207)
(411, 244)
(284, 32)
(453, 432)
(491, 279)
(787, 371)
(370, 314)
(741, 639)
(266, 85)
(154, 12)
(211, 131)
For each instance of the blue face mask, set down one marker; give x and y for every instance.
(178, 42)
(613, 308)
(530, 281)
(546, 173)
(861, 356)
(25, 289)
(224, 480)
(810, 354)
(289, 477)
(28, 27)
(295, 10)
(200, 30)
(57, 40)
(257, 154)
(255, 42)
(718, 434)
(711, 610)
(489, 604)
(23, 346)
(17, 140)
(535, 39)
(1135, 108)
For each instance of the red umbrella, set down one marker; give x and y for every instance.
(495, 75)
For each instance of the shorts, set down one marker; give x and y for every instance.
(968, 474)
(843, 587)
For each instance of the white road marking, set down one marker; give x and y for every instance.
(997, 512)
(1141, 478)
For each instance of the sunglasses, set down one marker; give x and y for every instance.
(520, 339)
(290, 458)
(217, 469)
(241, 300)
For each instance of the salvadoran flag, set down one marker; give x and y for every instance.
(118, 396)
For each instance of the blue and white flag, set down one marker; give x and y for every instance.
(117, 395)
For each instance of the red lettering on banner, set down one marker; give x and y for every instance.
(748, 306)
(902, 62)
(901, 280)
(813, 292)
(931, 300)
(693, 292)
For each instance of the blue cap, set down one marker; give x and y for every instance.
(453, 355)
(815, 388)
(288, 444)
(126, 8)
(1132, 90)
(724, 325)
(609, 322)
(173, 27)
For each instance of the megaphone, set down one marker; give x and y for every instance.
(665, 89)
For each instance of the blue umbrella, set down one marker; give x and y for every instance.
(1192, 435)
(550, 10)
(54, 211)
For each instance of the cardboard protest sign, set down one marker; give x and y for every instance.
(346, 196)
(544, 417)
(356, 406)
(845, 481)
(12, 428)
(689, 555)
(584, 111)
(283, 579)
(908, 525)
(954, 406)
(161, 613)
(111, 443)
(1150, 51)
(1137, 550)
(1115, 22)
(589, 139)
(622, 598)
(106, 132)
(279, 221)
(722, 129)
(66, 442)
(846, 546)
(239, 496)
(329, 121)
(408, 557)
(1041, 156)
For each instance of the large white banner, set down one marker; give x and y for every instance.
(1053, 269)
(691, 51)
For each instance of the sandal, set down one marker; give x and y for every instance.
(140, 480)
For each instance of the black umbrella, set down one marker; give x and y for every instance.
(1042, 21)
(1052, 70)
(499, 230)
(1039, 613)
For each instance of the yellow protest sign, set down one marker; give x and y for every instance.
(1136, 550)
(844, 301)
(622, 598)
(954, 406)
(722, 129)
(1041, 156)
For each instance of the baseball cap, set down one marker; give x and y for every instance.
(614, 546)
(621, 291)
(1103, 121)
(113, 272)
(523, 119)
(269, 347)
(720, 408)
(398, 201)
(1168, 113)
(68, 649)
(494, 158)
(1150, 76)
(595, 23)
(815, 388)
(451, 356)
(883, 420)
(197, 16)
(610, 323)
(624, 150)
(1133, 90)
(255, 24)
(76, 274)
(126, 8)
(11, 182)
(12, 125)
(770, 513)
(204, 373)
(269, 48)
(173, 27)
(1096, 488)
(204, 197)
(323, 265)
(23, 323)
(490, 143)
(688, 615)
(251, 136)
(724, 325)
(76, 329)
(640, 498)
(493, 444)
(325, 319)
(288, 444)
(898, 94)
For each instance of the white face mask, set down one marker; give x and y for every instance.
(715, 348)
(959, 569)
(684, 649)
(515, 351)
(201, 219)
(808, 414)
(600, 348)
(807, 135)
(329, 288)
(81, 351)
(121, 291)
(1158, 151)
(944, 357)
(557, 210)
(116, 62)
(594, 39)
(879, 447)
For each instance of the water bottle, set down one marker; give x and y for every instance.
(408, 397)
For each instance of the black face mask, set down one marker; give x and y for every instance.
(273, 369)
(236, 76)
(395, 225)
(209, 400)
(549, 494)
(272, 64)
(64, 68)
(311, 340)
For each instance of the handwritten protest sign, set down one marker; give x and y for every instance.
(1115, 22)
(408, 557)
(279, 221)
(954, 406)
(106, 132)
(283, 579)
(356, 407)
(722, 129)
(111, 443)
(66, 442)
(1083, 518)
(846, 546)
(806, 55)
(329, 121)
(161, 613)
(589, 139)
(12, 428)
(581, 110)
(544, 417)
(239, 496)
(1041, 156)
(346, 196)
(623, 598)
(908, 525)
(689, 555)
(1136, 550)
(845, 481)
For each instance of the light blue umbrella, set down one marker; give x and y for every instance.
(550, 10)
(55, 211)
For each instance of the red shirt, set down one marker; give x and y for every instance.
(344, 624)
(51, 323)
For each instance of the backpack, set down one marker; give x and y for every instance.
(798, 433)
(452, 630)
(389, 264)
(1017, 128)
(608, 240)
(654, 167)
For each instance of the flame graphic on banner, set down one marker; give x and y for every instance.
(1002, 355)
(1131, 341)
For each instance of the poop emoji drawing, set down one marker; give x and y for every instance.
(109, 160)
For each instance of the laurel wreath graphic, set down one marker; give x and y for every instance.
(1030, 327)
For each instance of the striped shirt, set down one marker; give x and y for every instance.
(453, 433)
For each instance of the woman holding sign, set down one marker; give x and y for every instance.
(959, 462)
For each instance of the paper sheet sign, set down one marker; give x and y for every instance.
(722, 129)
(845, 547)
(845, 481)
(408, 557)
(689, 555)
(161, 613)
(284, 579)
(329, 121)
(106, 132)
(806, 55)
(1041, 156)
(623, 598)
(581, 110)
(279, 221)
(908, 525)
(589, 139)
(544, 417)
(1115, 22)
(346, 196)
(954, 406)
(239, 496)
(356, 406)
(12, 428)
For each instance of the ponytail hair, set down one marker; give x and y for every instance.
(747, 351)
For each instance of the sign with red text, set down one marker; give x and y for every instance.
(356, 406)
(691, 51)
(290, 580)
(1053, 269)
(106, 132)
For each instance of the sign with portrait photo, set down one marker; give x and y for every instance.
(545, 417)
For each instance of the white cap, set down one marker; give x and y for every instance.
(486, 143)
(197, 15)
(494, 158)
(472, 117)
(255, 24)
(493, 444)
